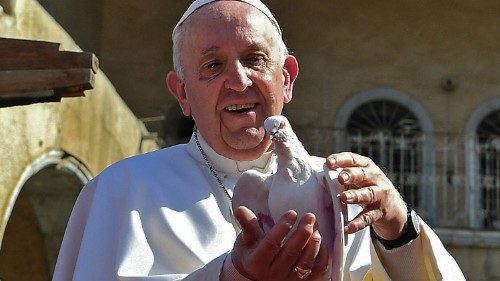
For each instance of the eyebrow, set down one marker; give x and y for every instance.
(257, 47)
(253, 46)
(210, 50)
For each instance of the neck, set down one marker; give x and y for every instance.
(222, 163)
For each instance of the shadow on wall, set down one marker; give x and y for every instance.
(7, 6)
(177, 128)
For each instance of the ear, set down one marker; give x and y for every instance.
(176, 88)
(290, 73)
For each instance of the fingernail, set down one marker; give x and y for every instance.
(345, 177)
(310, 219)
(348, 196)
(290, 217)
(346, 228)
(332, 162)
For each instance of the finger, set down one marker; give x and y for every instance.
(347, 159)
(295, 244)
(359, 176)
(365, 195)
(308, 257)
(251, 231)
(321, 264)
(272, 242)
(364, 219)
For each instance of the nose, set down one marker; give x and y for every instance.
(237, 77)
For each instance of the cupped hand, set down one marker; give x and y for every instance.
(368, 186)
(281, 253)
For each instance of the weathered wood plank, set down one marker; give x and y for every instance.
(26, 54)
(36, 71)
(21, 81)
(27, 45)
(65, 60)
(39, 94)
(13, 60)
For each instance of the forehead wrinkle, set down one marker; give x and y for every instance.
(209, 50)
(255, 46)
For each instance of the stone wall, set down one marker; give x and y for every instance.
(93, 131)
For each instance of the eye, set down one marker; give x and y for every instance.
(212, 65)
(211, 69)
(256, 60)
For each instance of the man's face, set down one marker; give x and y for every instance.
(233, 77)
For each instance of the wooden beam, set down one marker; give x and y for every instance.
(27, 45)
(18, 60)
(40, 94)
(22, 81)
(36, 71)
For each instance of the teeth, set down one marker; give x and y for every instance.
(235, 107)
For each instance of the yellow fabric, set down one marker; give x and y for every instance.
(439, 265)
(428, 268)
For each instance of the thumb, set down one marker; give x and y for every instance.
(250, 229)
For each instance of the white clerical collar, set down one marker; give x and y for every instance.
(224, 164)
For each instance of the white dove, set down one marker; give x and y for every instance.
(302, 183)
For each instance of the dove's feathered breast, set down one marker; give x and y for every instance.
(295, 176)
(299, 184)
(291, 154)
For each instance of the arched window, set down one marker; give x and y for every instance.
(396, 132)
(483, 165)
(488, 142)
(390, 134)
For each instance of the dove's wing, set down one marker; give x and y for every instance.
(334, 188)
(252, 192)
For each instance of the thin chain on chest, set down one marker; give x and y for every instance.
(212, 170)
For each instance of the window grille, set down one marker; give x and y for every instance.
(488, 150)
(390, 134)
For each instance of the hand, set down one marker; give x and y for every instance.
(260, 256)
(368, 186)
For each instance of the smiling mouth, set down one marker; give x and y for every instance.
(240, 107)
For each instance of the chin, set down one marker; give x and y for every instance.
(247, 139)
(248, 154)
(249, 146)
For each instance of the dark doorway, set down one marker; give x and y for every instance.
(36, 225)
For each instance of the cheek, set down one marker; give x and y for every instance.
(276, 104)
(203, 108)
(273, 86)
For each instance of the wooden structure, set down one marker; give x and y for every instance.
(36, 71)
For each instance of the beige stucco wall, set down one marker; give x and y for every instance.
(350, 46)
(97, 130)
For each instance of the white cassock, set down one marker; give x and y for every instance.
(163, 216)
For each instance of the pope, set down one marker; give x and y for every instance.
(167, 215)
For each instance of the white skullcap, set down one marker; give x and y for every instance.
(256, 3)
